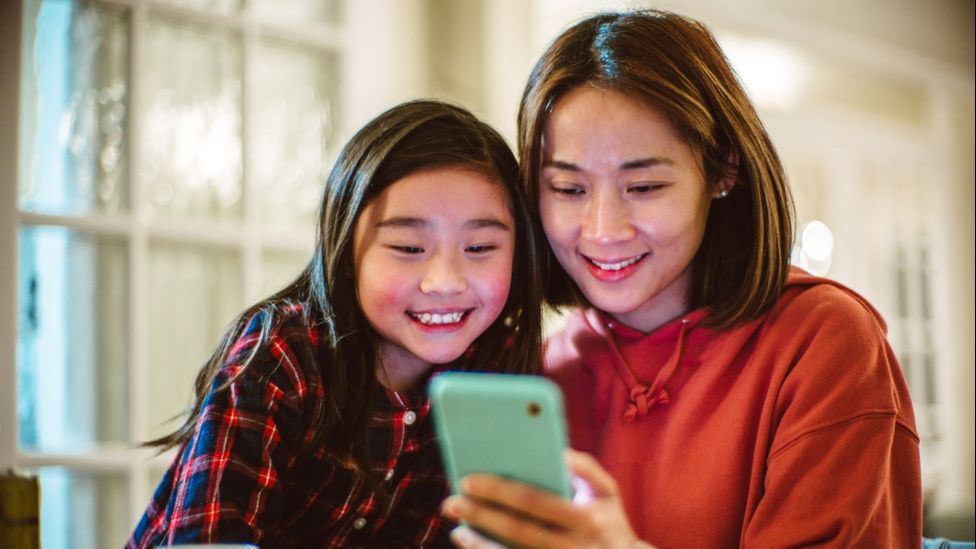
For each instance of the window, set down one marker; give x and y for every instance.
(171, 155)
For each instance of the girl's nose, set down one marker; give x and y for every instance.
(443, 277)
(606, 219)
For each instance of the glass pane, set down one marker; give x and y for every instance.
(215, 6)
(191, 154)
(298, 11)
(153, 478)
(71, 348)
(75, 106)
(279, 269)
(193, 293)
(295, 91)
(83, 510)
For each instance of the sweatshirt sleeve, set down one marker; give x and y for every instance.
(843, 464)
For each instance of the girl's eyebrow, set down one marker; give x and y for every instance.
(487, 223)
(420, 223)
(629, 165)
(408, 222)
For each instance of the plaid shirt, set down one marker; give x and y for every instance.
(240, 476)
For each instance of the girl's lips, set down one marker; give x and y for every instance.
(444, 320)
(613, 270)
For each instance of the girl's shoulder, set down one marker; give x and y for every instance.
(281, 342)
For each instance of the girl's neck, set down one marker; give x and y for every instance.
(399, 370)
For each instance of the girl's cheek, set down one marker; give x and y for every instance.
(500, 285)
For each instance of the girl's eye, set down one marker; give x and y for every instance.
(408, 249)
(480, 248)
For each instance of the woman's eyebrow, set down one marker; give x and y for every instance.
(646, 163)
(640, 163)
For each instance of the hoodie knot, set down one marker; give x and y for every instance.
(642, 399)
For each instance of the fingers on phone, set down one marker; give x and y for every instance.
(596, 477)
(525, 500)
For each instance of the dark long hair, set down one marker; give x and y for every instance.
(408, 138)
(674, 64)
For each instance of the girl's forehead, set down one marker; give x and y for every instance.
(444, 190)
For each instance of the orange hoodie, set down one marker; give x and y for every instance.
(793, 429)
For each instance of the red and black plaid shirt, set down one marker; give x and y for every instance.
(241, 476)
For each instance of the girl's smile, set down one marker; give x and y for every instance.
(441, 320)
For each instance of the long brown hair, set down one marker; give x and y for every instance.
(406, 139)
(675, 65)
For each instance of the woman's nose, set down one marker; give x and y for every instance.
(443, 276)
(606, 219)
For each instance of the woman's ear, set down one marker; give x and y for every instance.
(725, 184)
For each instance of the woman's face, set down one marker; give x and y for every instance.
(624, 202)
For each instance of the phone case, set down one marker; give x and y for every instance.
(508, 425)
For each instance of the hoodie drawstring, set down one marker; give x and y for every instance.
(643, 397)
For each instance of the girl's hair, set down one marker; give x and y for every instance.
(674, 64)
(408, 138)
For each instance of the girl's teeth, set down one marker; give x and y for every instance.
(436, 318)
(617, 266)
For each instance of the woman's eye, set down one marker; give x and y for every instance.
(643, 188)
(567, 190)
(480, 248)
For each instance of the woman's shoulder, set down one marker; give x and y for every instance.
(821, 302)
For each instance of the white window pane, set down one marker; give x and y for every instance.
(83, 510)
(75, 109)
(297, 11)
(280, 269)
(293, 138)
(194, 292)
(215, 6)
(72, 335)
(191, 153)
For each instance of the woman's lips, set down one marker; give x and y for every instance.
(614, 270)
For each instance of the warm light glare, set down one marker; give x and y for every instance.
(773, 74)
(816, 248)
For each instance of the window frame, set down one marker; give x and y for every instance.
(246, 237)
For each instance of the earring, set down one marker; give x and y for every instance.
(723, 193)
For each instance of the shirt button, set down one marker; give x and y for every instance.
(409, 417)
(359, 523)
(389, 475)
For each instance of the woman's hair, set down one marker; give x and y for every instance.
(406, 139)
(674, 65)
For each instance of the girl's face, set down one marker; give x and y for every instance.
(433, 257)
(623, 201)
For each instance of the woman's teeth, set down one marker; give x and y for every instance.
(617, 266)
(436, 318)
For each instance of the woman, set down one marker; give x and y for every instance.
(728, 400)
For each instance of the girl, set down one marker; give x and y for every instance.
(728, 400)
(310, 426)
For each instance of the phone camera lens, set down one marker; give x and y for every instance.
(534, 409)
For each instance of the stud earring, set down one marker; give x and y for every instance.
(723, 193)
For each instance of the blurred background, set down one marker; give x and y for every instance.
(161, 163)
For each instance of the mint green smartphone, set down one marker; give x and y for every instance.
(508, 425)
